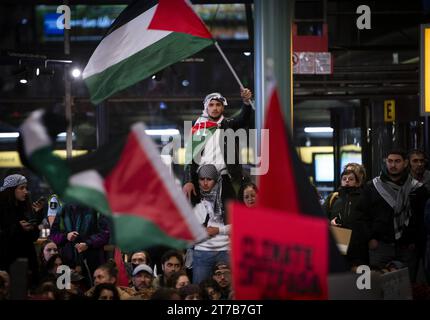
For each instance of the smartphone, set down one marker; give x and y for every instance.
(33, 221)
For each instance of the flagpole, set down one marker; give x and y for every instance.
(68, 94)
(232, 71)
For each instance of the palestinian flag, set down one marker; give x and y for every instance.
(201, 132)
(269, 241)
(286, 186)
(145, 38)
(126, 180)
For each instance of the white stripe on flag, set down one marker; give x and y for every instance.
(34, 133)
(174, 190)
(88, 178)
(124, 42)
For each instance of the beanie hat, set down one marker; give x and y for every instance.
(208, 171)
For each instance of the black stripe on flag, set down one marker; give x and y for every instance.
(103, 160)
(309, 205)
(133, 10)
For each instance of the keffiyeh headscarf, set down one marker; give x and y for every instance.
(212, 96)
(214, 195)
(13, 181)
(204, 128)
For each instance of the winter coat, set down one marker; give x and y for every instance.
(343, 205)
(378, 216)
(15, 242)
(93, 230)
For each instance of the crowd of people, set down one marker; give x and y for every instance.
(389, 216)
(77, 240)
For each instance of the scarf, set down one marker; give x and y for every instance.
(203, 130)
(213, 197)
(397, 196)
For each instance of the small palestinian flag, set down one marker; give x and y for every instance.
(126, 180)
(201, 132)
(146, 37)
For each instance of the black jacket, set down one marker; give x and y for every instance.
(379, 216)
(14, 241)
(242, 120)
(344, 206)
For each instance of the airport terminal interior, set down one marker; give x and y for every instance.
(366, 68)
(357, 86)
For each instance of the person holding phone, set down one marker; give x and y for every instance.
(18, 224)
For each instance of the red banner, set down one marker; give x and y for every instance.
(276, 255)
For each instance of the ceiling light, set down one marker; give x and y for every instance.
(162, 132)
(9, 135)
(318, 129)
(76, 73)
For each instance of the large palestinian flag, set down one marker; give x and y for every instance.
(282, 249)
(126, 179)
(145, 38)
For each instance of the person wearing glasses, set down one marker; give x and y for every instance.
(222, 275)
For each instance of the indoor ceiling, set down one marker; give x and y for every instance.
(367, 63)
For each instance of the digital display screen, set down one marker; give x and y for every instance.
(324, 167)
(349, 157)
(90, 22)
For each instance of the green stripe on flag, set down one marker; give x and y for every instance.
(88, 196)
(128, 228)
(141, 65)
(52, 167)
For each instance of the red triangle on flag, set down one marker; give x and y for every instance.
(281, 170)
(122, 279)
(148, 206)
(178, 16)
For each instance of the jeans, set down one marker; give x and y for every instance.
(204, 261)
(386, 252)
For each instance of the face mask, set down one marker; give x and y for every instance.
(134, 265)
